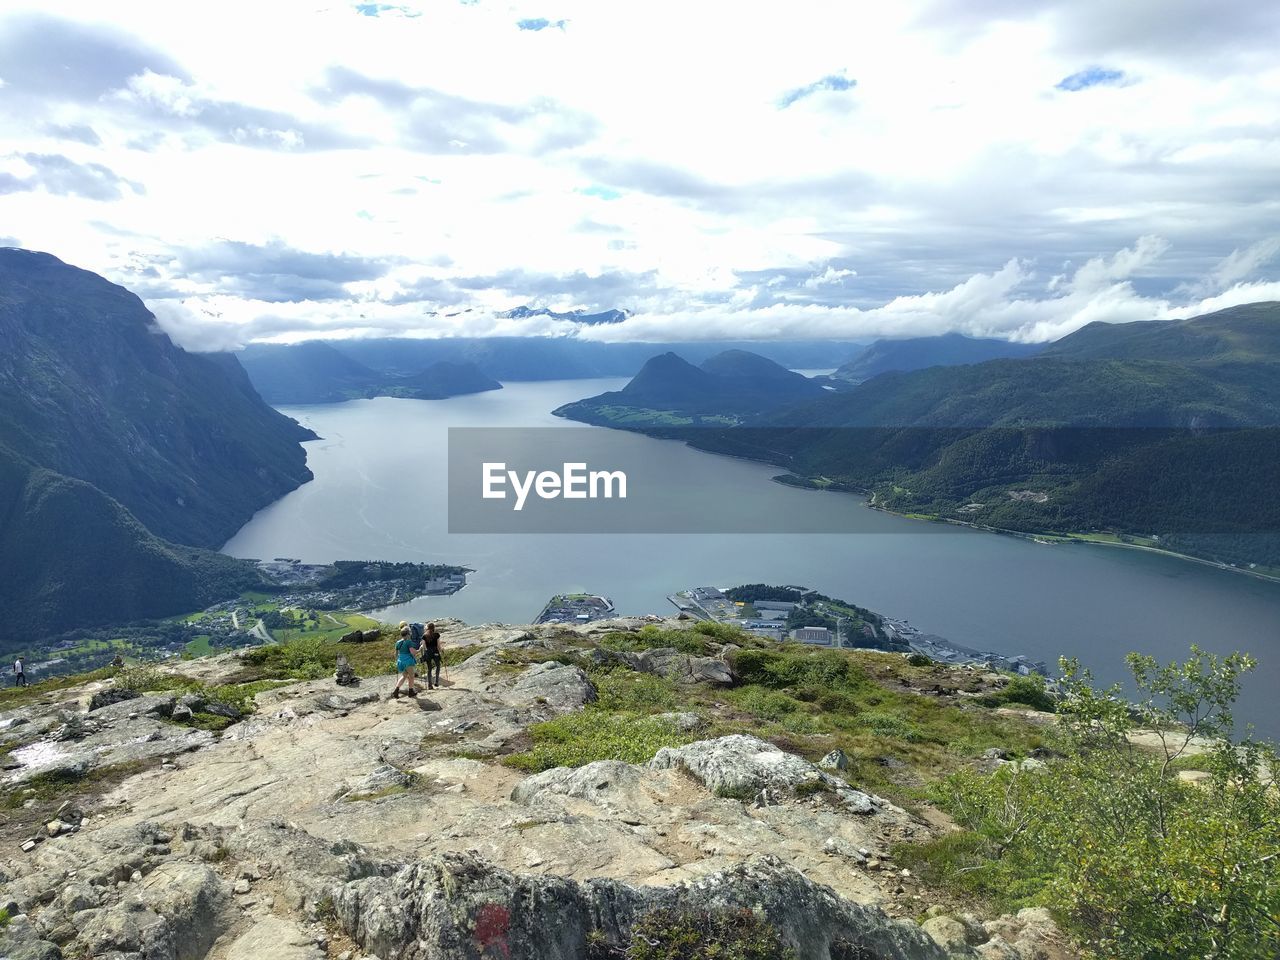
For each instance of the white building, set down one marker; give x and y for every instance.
(811, 635)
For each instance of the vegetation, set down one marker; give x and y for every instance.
(1137, 862)
(672, 934)
(576, 739)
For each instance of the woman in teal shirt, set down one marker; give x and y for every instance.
(406, 660)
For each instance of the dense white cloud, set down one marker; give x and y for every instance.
(281, 171)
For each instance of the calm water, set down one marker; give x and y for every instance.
(380, 493)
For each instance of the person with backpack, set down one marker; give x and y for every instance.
(432, 655)
(406, 660)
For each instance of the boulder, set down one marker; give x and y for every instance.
(835, 760)
(586, 783)
(457, 905)
(743, 767)
(564, 688)
(682, 667)
(949, 933)
(382, 779)
(104, 698)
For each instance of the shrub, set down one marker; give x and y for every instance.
(672, 934)
(651, 638)
(1138, 863)
(763, 703)
(639, 692)
(1027, 690)
(920, 660)
(889, 725)
(577, 739)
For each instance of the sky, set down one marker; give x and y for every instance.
(282, 171)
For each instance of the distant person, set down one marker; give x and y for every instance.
(406, 661)
(19, 673)
(118, 662)
(432, 655)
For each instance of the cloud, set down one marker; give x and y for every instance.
(274, 272)
(833, 81)
(996, 304)
(1092, 77)
(540, 23)
(170, 102)
(433, 121)
(57, 174)
(75, 132)
(45, 56)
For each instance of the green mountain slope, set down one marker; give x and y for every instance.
(917, 353)
(70, 556)
(91, 388)
(1183, 449)
(727, 388)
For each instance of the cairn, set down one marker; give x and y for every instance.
(345, 675)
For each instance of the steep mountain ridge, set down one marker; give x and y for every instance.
(918, 353)
(121, 456)
(91, 388)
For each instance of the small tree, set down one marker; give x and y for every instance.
(1137, 862)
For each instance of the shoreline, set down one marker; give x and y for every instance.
(1050, 538)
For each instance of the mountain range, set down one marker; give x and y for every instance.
(726, 388)
(1166, 431)
(124, 460)
(315, 371)
(917, 353)
(331, 371)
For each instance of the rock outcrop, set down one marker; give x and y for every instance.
(333, 821)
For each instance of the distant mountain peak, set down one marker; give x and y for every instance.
(579, 315)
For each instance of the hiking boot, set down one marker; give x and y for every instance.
(395, 694)
(412, 692)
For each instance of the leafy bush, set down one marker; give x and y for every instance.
(1138, 863)
(629, 691)
(651, 638)
(577, 739)
(1027, 690)
(671, 934)
(831, 670)
(142, 679)
(721, 632)
(763, 703)
(889, 725)
(920, 660)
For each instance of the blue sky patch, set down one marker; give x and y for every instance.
(833, 81)
(1092, 77)
(540, 23)
(604, 193)
(378, 9)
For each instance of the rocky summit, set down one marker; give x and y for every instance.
(323, 818)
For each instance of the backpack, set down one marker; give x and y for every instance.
(415, 633)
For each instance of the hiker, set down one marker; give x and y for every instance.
(406, 660)
(118, 662)
(19, 673)
(431, 654)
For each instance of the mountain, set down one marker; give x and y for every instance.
(316, 371)
(312, 789)
(445, 378)
(726, 388)
(950, 349)
(577, 316)
(1236, 335)
(517, 358)
(117, 447)
(309, 372)
(92, 389)
(1181, 451)
(71, 556)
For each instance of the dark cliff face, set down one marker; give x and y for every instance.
(92, 389)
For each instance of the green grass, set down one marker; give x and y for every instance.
(199, 647)
(576, 739)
